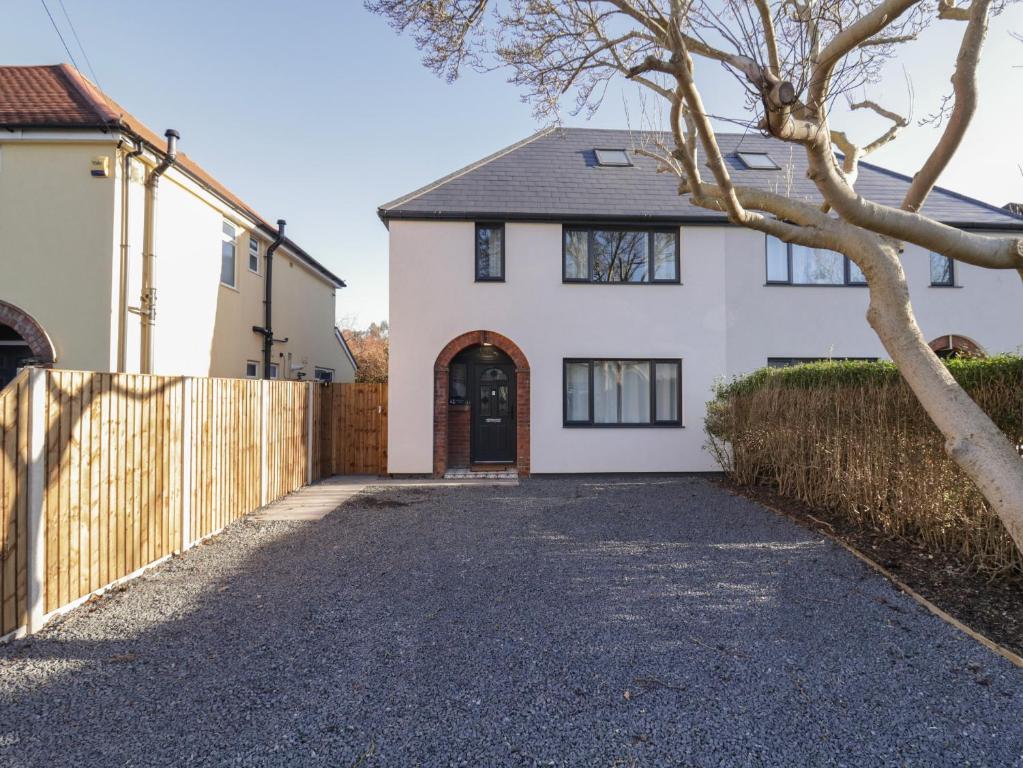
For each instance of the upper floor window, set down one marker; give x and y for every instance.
(614, 158)
(228, 251)
(758, 161)
(620, 255)
(942, 271)
(790, 264)
(785, 362)
(489, 252)
(607, 393)
(253, 254)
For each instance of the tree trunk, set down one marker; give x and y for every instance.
(972, 439)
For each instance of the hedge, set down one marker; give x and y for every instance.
(850, 438)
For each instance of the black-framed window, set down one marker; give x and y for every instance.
(608, 254)
(489, 252)
(253, 254)
(622, 392)
(792, 264)
(785, 362)
(942, 271)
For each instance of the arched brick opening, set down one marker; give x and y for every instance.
(25, 325)
(441, 380)
(951, 344)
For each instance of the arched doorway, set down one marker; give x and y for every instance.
(481, 404)
(22, 342)
(956, 346)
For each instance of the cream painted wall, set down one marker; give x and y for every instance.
(723, 320)
(57, 241)
(60, 257)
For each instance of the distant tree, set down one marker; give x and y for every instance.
(794, 59)
(370, 347)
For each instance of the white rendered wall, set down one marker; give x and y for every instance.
(723, 320)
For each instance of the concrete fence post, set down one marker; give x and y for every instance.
(36, 476)
(187, 469)
(309, 438)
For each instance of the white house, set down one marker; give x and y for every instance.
(558, 307)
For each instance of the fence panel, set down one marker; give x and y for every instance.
(358, 417)
(130, 468)
(13, 504)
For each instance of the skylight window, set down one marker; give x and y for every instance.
(613, 157)
(758, 161)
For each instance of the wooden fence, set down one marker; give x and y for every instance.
(104, 474)
(352, 432)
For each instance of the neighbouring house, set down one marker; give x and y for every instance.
(558, 307)
(118, 253)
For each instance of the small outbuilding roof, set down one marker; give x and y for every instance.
(555, 175)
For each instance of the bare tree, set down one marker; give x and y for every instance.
(794, 58)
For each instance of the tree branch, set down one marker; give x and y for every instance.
(964, 87)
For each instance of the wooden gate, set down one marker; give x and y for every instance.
(352, 429)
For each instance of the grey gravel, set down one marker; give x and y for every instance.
(596, 622)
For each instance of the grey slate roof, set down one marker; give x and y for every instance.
(553, 176)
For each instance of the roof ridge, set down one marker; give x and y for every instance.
(462, 171)
(95, 98)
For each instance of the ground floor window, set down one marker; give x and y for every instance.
(274, 371)
(602, 392)
(784, 362)
(324, 374)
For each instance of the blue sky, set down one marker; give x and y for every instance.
(317, 112)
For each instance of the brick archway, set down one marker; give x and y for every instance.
(951, 343)
(441, 370)
(32, 332)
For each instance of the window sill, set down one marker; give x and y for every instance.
(662, 425)
(230, 287)
(489, 279)
(591, 282)
(254, 272)
(816, 285)
(943, 287)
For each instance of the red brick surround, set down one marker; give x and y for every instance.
(33, 334)
(443, 453)
(960, 344)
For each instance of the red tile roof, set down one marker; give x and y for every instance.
(59, 97)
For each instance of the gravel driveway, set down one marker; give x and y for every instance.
(561, 622)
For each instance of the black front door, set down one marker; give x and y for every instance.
(493, 413)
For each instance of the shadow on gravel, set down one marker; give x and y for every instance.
(560, 622)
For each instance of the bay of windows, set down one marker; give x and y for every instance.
(620, 255)
(792, 264)
(618, 393)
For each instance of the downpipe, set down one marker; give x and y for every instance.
(147, 301)
(267, 329)
(122, 294)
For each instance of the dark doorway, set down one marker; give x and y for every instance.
(14, 354)
(483, 377)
